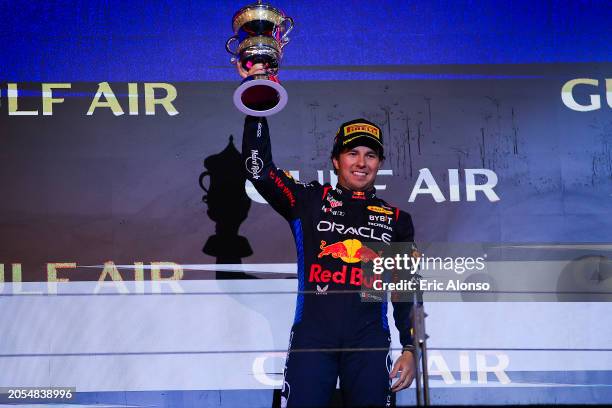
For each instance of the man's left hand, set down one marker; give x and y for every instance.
(406, 364)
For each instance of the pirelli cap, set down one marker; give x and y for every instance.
(358, 132)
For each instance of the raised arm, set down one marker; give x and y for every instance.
(279, 189)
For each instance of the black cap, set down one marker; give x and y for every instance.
(358, 132)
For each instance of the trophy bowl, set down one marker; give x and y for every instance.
(258, 50)
(260, 34)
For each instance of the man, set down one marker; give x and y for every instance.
(335, 333)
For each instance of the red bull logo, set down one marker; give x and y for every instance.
(349, 250)
(355, 276)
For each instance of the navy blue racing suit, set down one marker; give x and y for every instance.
(334, 334)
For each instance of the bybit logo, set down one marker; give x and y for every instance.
(567, 94)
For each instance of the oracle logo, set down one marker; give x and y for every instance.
(592, 85)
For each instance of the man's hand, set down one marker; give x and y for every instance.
(255, 69)
(406, 364)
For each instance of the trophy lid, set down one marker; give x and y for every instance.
(257, 12)
(259, 5)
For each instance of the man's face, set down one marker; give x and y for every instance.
(357, 168)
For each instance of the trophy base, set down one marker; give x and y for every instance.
(260, 97)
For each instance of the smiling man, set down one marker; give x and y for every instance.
(357, 154)
(335, 333)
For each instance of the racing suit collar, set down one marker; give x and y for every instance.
(345, 193)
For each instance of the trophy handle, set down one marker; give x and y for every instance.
(201, 181)
(227, 46)
(288, 29)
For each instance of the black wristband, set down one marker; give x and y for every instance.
(408, 348)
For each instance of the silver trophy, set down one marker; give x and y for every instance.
(260, 34)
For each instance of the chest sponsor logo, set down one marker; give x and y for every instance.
(349, 250)
(322, 290)
(352, 275)
(385, 219)
(254, 164)
(328, 210)
(379, 225)
(333, 202)
(365, 232)
(380, 210)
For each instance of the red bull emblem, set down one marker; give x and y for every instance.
(354, 275)
(350, 251)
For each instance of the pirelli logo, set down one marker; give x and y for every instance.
(379, 210)
(361, 128)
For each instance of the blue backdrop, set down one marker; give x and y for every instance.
(183, 41)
